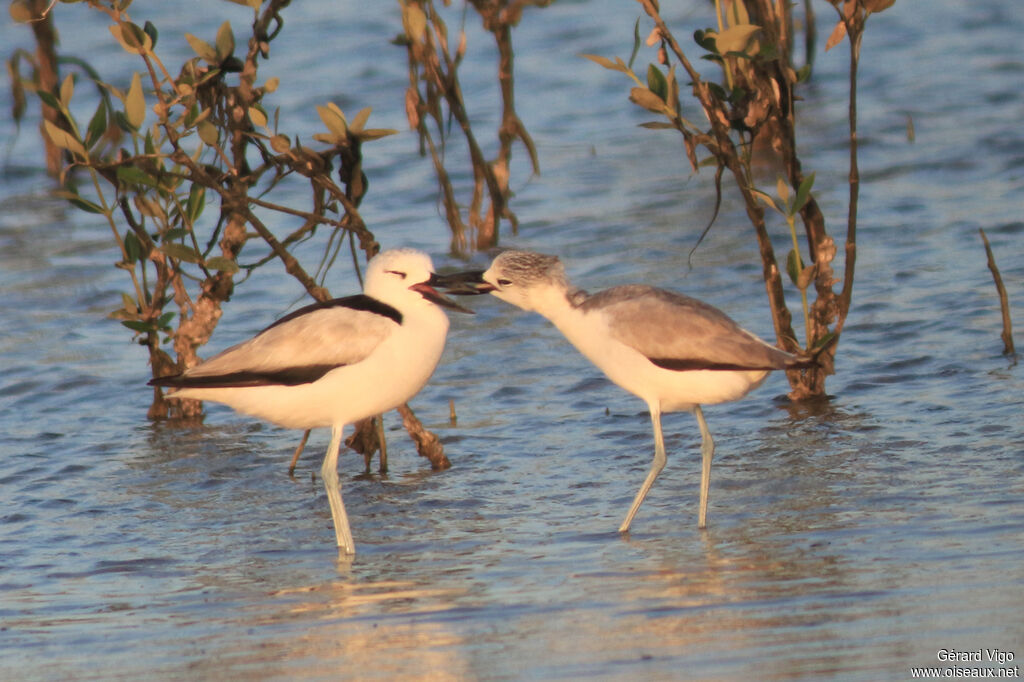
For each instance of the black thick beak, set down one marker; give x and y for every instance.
(427, 291)
(468, 283)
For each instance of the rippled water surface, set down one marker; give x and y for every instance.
(849, 540)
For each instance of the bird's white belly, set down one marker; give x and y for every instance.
(393, 373)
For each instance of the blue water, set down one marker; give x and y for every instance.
(850, 540)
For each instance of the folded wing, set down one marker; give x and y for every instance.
(299, 348)
(681, 333)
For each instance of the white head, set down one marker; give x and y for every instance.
(405, 278)
(531, 281)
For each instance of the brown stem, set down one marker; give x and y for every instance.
(1004, 302)
(854, 30)
(428, 444)
(46, 63)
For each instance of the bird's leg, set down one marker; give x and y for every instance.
(329, 472)
(707, 451)
(656, 466)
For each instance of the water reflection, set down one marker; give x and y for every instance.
(350, 628)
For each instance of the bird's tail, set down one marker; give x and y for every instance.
(813, 358)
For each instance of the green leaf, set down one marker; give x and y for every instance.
(130, 306)
(225, 41)
(656, 82)
(132, 247)
(122, 121)
(202, 48)
(280, 143)
(136, 326)
(617, 65)
(132, 38)
(196, 202)
(63, 139)
(150, 31)
(823, 341)
(67, 90)
(733, 39)
(647, 99)
(782, 190)
(147, 206)
(208, 132)
(135, 102)
(133, 175)
(803, 193)
(191, 116)
(717, 90)
(794, 265)
(334, 119)
(375, 133)
(705, 39)
(78, 202)
(181, 252)
(673, 88)
(49, 99)
(164, 320)
(97, 125)
(765, 198)
(359, 121)
(257, 117)
(171, 235)
(222, 264)
(636, 42)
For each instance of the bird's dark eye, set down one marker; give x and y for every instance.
(401, 275)
(505, 282)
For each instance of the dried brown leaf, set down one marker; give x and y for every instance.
(647, 99)
(838, 33)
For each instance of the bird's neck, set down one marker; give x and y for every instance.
(562, 306)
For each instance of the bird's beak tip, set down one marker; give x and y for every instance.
(468, 283)
(427, 291)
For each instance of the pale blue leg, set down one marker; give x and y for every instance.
(656, 467)
(329, 472)
(707, 451)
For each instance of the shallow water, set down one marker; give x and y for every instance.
(853, 540)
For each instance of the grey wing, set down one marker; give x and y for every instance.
(682, 333)
(299, 350)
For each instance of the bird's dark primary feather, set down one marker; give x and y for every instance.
(289, 376)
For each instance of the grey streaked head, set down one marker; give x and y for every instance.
(531, 281)
(527, 268)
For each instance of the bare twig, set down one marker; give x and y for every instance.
(428, 444)
(298, 451)
(1004, 302)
